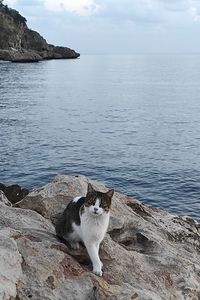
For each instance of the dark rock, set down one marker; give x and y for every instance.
(63, 52)
(20, 55)
(2, 187)
(15, 193)
(33, 40)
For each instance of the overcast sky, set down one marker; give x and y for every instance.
(116, 26)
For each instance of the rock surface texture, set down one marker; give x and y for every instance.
(20, 44)
(147, 253)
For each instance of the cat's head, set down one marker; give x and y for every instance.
(97, 202)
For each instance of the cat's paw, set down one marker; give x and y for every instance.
(98, 272)
(98, 269)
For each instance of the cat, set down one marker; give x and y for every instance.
(86, 219)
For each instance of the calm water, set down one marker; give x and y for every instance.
(132, 122)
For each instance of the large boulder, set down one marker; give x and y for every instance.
(31, 262)
(147, 253)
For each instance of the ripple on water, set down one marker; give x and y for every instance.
(118, 119)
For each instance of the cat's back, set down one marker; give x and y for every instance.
(74, 206)
(69, 216)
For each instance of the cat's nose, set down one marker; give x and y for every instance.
(95, 209)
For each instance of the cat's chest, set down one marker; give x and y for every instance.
(91, 228)
(95, 227)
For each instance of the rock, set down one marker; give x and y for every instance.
(2, 187)
(61, 52)
(3, 199)
(10, 270)
(53, 197)
(33, 40)
(147, 253)
(12, 194)
(18, 43)
(20, 56)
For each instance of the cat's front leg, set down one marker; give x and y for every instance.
(93, 251)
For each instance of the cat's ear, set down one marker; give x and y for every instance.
(110, 193)
(90, 189)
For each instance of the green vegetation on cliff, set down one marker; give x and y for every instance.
(12, 13)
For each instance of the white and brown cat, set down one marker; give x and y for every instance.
(86, 219)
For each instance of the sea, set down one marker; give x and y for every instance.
(130, 121)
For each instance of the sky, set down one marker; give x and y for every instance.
(116, 26)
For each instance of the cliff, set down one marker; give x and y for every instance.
(148, 254)
(18, 43)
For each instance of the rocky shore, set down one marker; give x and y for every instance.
(147, 253)
(18, 43)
